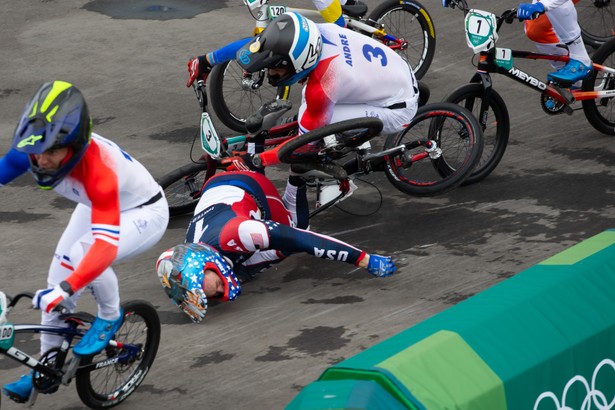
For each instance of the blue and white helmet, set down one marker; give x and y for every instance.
(181, 271)
(291, 41)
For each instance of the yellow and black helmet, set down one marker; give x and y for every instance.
(56, 117)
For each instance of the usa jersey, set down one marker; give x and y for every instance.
(242, 216)
(353, 69)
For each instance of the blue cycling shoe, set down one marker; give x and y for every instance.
(97, 338)
(571, 73)
(380, 265)
(20, 390)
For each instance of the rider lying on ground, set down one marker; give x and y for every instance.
(240, 227)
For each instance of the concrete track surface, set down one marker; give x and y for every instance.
(553, 189)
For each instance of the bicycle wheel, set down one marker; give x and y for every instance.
(349, 134)
(182, 187)
(597, 21)
(235, 94)
(496, 131)
(409, 20)
(600, 112)
(455, 132)
(110, 385)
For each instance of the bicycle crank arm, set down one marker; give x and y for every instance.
(372, 156)
(71, 370)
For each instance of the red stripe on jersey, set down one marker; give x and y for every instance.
(318, 103)
(98, 174)
(66, 266)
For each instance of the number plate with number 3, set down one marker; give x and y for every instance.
(209, 138)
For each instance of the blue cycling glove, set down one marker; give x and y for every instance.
(380, 265)
(527, 11)
(445, 3)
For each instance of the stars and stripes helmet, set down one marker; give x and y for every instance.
(56, 117)
(290, 41)
(181, 271)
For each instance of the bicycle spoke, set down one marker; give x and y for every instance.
(597, 20)
(404, 26)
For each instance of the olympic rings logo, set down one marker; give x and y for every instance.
(593, 397)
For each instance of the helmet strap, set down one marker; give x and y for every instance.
(69, 155)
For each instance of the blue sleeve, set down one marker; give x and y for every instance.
(12, 165)
(228, 52)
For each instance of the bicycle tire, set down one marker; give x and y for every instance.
(230, 99)
(601, 113)
(415, 26)
(496, 132)
(295, 151)
(141, 326)
(456, 132)
(597, 21)
(182, 187)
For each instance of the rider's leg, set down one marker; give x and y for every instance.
(393, 120)
(565, 25)
(295, 200)
(61, 267)
(560, 26)
(140, 229)
(541, 32)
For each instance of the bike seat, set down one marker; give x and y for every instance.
(79, 317)
(357, 9)
(267, 115)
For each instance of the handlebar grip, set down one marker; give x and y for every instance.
(266, 158)
(61, 308)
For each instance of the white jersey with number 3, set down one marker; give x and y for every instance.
(354, 69)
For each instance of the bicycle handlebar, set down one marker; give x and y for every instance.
(201, 93)
(17, 297)
(510, 15)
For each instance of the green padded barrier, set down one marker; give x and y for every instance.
(459, 378)
(541, 337)
(345, 394)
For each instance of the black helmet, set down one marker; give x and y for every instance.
(56, 117)
(290, 41)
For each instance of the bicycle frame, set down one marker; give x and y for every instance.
(64, 372)
(488, 63)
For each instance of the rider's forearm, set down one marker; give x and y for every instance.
(226, 53)
(98, 258)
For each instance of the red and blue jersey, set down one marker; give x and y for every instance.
(108, 181)
(241, 215)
